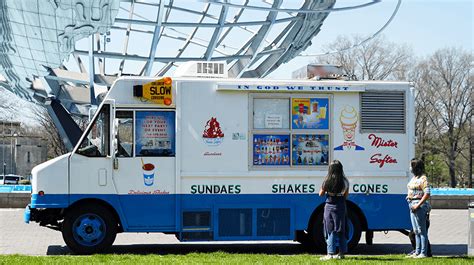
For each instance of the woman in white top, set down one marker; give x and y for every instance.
(417, 197)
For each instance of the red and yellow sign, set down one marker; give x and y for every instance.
(159, 91)
(300, 105)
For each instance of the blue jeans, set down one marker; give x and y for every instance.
(332, 239)
(418, 222)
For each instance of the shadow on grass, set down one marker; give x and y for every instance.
(402, 258)
(383, 249)
(259, 248)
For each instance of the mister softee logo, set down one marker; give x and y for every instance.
(348, 119)
(212, 134)
(379, 158)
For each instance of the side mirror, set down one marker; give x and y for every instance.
(115, 145)
(115, 128)
(115, 136)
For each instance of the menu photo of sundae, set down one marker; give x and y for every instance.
(310, 149)
(310, 113)
(271, 150)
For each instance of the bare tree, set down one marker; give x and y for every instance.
(444, 84)
(424, 113)
(470, 131)
(377, 59)
(48, 130)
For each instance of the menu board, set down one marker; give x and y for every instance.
(310, 113)
(310, 149)
(154, 132)
(271, 150)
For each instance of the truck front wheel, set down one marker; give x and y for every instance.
(89, 229)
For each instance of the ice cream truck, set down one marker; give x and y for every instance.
(208, 158)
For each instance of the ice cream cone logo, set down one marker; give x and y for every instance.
(212, 133)
(348, 119)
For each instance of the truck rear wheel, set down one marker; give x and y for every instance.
(354, 231)
(89, 229)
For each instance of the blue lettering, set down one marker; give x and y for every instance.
(259, 87)
(321, 88)
(268, 87)
(276, 87)
(290, 87)
(301, 88)
(338, 88)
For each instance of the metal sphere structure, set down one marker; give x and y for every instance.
(70, 49)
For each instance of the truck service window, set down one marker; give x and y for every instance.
(290, 131)
(97, 142)
(155, 133)
(271, 113)
(124, 121)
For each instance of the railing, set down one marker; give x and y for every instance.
(15, 188)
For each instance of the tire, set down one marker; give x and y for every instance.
(317, 233)
(89, 229)
(354, 231)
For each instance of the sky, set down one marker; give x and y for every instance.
(425, 25)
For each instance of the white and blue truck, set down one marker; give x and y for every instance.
(210, 159)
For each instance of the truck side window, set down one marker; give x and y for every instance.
(97, 142)
(155, 133)
(271, 113)
(124, 120)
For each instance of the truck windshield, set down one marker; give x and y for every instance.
(97, 142)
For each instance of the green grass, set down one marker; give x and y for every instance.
(225, 258)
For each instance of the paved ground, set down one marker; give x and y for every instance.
(448, 235)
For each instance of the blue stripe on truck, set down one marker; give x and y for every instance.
(153, 213)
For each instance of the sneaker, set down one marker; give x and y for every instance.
(327, 257)
(412, 255)
(340, 256)
(421, 256)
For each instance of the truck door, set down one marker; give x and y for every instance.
(90, 166)
(144, 168)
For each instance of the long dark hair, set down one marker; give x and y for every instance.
(417, 167)
(334, 181)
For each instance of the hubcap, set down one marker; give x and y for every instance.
(89, 230)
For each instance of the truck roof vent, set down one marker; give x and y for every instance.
(202, 69)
